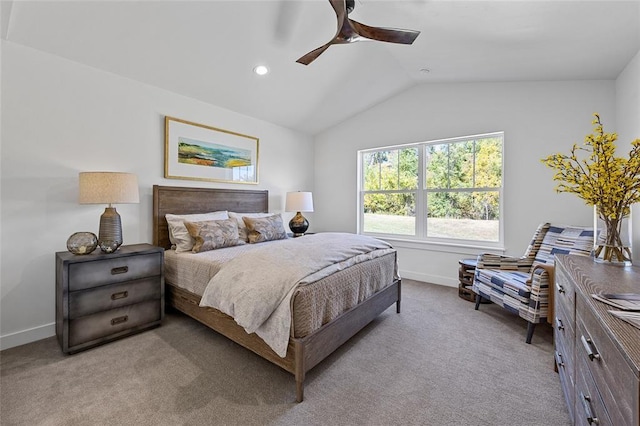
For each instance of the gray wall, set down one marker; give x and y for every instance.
(628, 128)
(538, 119)
(60, 118)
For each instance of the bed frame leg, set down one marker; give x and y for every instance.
(399, 294)
(299, 390)
(299, 370)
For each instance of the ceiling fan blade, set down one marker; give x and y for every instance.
(390, 35)
(313, 55)
(340, 7)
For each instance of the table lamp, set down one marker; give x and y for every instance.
(108, 188)
(299, 202)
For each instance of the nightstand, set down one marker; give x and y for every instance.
(465, 274)
(102, 297)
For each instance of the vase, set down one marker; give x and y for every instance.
(612, 239)
(82, 243)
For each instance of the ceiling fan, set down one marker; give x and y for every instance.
(350, 31)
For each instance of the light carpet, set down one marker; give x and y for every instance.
(438, 362)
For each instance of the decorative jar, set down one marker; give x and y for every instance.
(82, 243)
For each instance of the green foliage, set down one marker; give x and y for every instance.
(449, 168)
(391, 171)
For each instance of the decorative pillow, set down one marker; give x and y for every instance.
(213, 234)
(178, 234)
(242, 229)
(265, 228)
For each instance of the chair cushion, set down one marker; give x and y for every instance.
(513, 283)
(565, 240)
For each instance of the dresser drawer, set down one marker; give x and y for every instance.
(566, 372)
(113, 296)
(589, 406)
(564, 329)
(107, 323)
(565, 295)
(108, 271)
(613, 377)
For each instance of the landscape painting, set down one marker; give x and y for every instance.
(212, 155)
(198, 152)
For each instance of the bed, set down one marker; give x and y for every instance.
(302, 353)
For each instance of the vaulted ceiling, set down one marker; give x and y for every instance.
(207, 49)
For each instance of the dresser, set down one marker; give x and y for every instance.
(101, 297)
(597, 355)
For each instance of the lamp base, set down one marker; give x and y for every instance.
(110, 234)
(298, 225)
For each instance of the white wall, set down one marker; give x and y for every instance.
(628, 129)
(538, 118)
(60, 118)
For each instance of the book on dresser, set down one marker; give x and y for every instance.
(625, 301)
(632, 318)
(102, 297)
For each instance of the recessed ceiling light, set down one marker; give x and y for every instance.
(425, 70)
(261, 70)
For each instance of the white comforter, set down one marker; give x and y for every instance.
(256, 288)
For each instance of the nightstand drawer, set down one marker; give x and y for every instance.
(107, 271)
(107, 323)
(113, 296)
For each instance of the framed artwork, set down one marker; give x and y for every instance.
(197, 152)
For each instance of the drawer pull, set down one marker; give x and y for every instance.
(586, 403)
(560, 288)
(559, 362)
(559, 324)
(119, 295)
(590, 348)
(119, 320)
(120, 270)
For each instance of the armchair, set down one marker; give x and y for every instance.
(522, 285)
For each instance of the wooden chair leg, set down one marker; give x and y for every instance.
(478, 300)
(530, 329)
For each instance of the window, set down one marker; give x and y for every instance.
(447, 190)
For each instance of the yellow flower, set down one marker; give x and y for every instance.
(600, 178)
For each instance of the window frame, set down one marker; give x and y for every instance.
(420, 239)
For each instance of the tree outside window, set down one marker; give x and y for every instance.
(434, 190)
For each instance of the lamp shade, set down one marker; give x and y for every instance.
(108, 188)
(299, 202)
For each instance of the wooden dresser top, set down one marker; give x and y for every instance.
(594, 277)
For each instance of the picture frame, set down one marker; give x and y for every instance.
(194, 151)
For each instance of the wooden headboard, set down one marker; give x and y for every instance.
(183, 200)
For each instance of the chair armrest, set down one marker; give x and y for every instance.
(507, 263)
(549, 269)
(538, 272)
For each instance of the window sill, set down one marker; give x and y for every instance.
(446, 247)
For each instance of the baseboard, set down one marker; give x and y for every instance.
(430, 278)
(29, 335)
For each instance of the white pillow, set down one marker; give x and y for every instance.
(178, 233)
(243, 232)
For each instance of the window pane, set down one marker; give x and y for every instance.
(371, 163)
(437, 166)
(489, 163)
(390, 170)
(461, 165)
(463, 215)
(449, 165)
(408, 168)
(390, 213)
